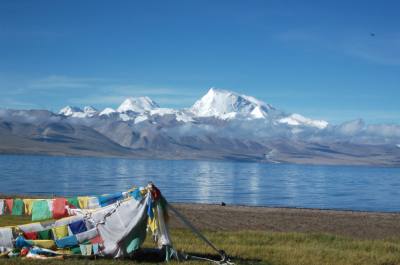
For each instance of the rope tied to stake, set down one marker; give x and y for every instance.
(224, 257)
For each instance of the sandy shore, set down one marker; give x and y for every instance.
(360, 225)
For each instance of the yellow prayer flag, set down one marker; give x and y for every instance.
(153, 222)
(28, 203)
(49, 244)
(83, 202)
(60, 231)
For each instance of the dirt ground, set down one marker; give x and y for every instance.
(360, 225)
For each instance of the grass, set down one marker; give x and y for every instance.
(260, 247)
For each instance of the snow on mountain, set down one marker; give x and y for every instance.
(299, 120)
(146, 108)
(180, 115)
(90, 111)
(140, 118)
(216, 103)
(224, 104)
(220, 125)
(137, 104)
(75, 112)
(69, 111)
(107, 112)
(125, 117)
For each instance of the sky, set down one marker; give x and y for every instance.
(332, 60)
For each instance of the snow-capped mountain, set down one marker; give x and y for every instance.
(225, 104)
(220, 125)
(216, 103)
(88, 111)
(108, 112)
(139, 104)
(69, 111)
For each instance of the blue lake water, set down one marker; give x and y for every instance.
(331, 187)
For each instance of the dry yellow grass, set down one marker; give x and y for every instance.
(261, 247)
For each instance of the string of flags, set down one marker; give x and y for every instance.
(57, 207)
(108, 225)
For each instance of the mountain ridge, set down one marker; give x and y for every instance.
(222, 125)
(217, 103)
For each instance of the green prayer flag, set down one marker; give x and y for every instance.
(74, 201)
(18, 207)
(135, 238)
(76, 250)
(40, 210)
(45, 235)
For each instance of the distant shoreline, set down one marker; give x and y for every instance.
(313, 162)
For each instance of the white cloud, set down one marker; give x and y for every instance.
(109, 92)
(384, 130)
(110, 101)
(351, 127)
(187, 101)
(98, 91)
(17, 104)
(144, 90)
(59, 81)
(93, 100)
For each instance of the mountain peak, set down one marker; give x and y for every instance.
(69, 110)
(227, 104)
(107, 111)
(89, 109)
(137, 104)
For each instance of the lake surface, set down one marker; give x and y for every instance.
(331, 187)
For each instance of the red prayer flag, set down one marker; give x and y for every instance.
(9, 204)
(59, 210)
(96, 240)
(31, 235)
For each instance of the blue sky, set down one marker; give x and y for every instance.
(316, 58)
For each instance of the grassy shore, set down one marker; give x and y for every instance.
(261, 247)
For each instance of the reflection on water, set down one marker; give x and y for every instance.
(355, 188)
